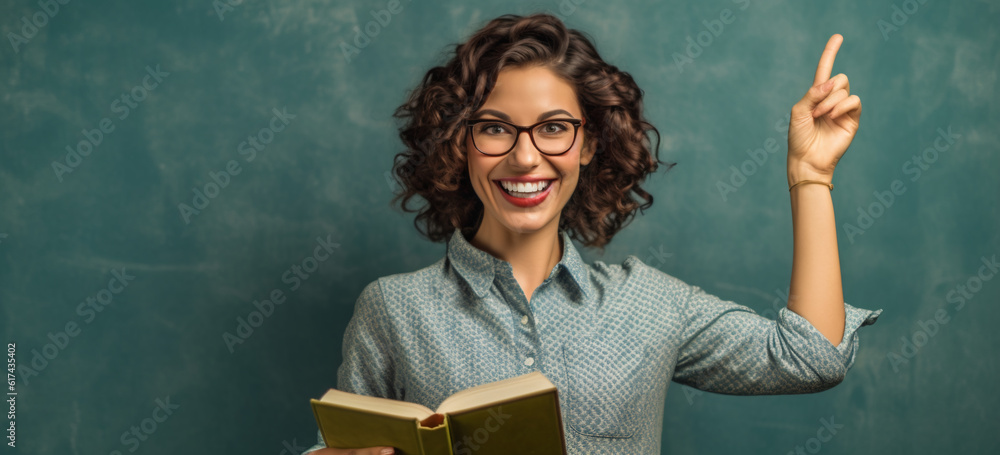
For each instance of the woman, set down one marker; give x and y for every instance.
(525, 140)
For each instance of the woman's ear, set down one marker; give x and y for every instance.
(587, 151)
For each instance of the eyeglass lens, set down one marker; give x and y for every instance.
(497, 138)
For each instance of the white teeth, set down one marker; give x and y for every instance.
(524, 187)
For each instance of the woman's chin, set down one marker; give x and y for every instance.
(525, 223)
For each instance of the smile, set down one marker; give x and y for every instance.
(524, 194)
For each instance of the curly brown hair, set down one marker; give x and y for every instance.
(434, 165)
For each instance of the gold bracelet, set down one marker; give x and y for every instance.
(811, 181)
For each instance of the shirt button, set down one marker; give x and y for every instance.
(524, 320)
(529, 361)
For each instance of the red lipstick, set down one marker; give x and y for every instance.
(525, 201)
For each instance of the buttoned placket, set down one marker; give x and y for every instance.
(527, 344)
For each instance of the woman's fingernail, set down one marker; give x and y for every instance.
(387, 452)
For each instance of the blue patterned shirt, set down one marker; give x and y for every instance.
(610, 337)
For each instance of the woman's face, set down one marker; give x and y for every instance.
(525, 96)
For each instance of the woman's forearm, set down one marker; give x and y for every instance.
(815, 291)
(821, 127)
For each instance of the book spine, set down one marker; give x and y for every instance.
(436, 441)
(319, 422)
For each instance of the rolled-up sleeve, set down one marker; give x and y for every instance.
(728, 348)
(367, 367)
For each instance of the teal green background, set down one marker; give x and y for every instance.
(62, 237)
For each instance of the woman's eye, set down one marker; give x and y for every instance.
(554, 127)
(493, 128)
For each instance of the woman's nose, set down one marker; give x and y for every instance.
(525, 154)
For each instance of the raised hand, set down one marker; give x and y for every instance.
(823, 122)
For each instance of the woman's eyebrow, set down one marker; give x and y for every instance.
(506, 117)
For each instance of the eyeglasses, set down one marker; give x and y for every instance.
(551, 137)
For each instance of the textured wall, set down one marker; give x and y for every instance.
(120, 299)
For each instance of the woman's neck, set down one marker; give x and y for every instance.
(532, 255)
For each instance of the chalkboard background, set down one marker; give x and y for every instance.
(156, 100)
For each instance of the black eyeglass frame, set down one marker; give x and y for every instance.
(577, 123)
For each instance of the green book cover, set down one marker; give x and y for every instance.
(516, 415)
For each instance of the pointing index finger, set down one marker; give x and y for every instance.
(825, 66)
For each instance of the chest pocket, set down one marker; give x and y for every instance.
(609, 381)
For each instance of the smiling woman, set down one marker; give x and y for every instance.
(526, 140)
(522, 73)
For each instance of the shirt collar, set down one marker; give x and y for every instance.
(478, 267)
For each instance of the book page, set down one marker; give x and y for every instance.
(495, 392)
(376, 405)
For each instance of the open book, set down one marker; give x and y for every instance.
(519, 415)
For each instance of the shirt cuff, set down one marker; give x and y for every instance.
(831, 362)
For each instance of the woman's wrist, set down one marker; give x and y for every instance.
(799, 172)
